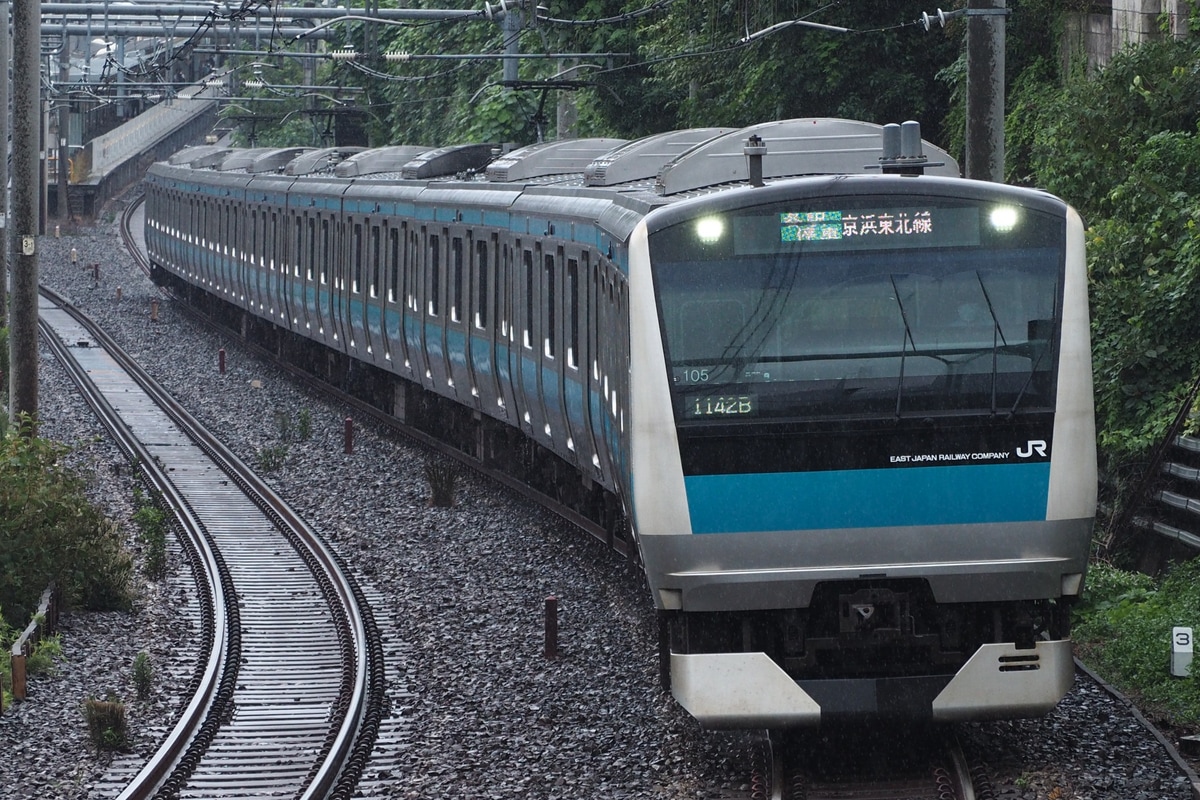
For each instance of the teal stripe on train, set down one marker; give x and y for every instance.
(868, 498)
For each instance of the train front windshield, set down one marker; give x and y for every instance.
(860, 305)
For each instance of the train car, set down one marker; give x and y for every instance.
(842, 396)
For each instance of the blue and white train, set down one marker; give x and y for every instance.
(842, 396)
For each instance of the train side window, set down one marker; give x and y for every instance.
(505, 308)
(410, 270)
(572, 309)
(481, 284)
(310, 245)
(456, 279)
(297, 244)
(393, 264)
(527, 259)
(375, 265)
(326, 250)
(276, 254)
(435, 275)
(357, 256)
(550, 305)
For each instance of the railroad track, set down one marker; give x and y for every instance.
(866, 764)
(288, 694)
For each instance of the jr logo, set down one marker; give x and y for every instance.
(1032, 446)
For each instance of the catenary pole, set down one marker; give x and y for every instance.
(26, 96)
(5, 256)
(985, 89)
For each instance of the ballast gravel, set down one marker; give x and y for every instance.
(477, 710)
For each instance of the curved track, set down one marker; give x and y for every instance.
(287, 698)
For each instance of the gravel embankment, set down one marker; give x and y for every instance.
(488, 716)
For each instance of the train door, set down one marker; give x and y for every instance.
(414, 314)
(458, 328)
(551, 313)
(210, 256)
(243, 281)
(600, 365)
(295, 290)
(233, 251)
(327, 270)
(485, 256)
(434, 327)
(574, 376)
(506, 353)
(373, 320)
(256, 260)
(391, 333)
(277, 267)
(353, 288)
(528, 361)
(313, 321)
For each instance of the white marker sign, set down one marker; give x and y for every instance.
(1182, 644)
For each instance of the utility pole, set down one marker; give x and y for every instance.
(64, 124)
(5, 256)
(23, 319)
(985, 89)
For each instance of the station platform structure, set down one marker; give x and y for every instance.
(111, 162)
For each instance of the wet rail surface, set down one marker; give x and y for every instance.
(287, 697)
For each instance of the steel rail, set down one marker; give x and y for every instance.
(359, 703)
(212, 581)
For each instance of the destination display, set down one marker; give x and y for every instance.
(840, 229)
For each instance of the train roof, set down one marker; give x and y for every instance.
(322, 160)
(673, 164)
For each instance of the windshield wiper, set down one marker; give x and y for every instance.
(1033, 370)
(908, 337)
(996, 331)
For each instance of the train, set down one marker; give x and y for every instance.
(836, 398)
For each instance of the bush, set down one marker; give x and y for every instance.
(152, 527)
(143, 675)
(1123, 629)
(45, 653)
(106, 723)
(50, 533)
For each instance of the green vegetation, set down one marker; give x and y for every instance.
(45, 653)
(152, 530)
(49, 532)
(1123, 630)
(143, 675)
(1123, 148)
(106, 723)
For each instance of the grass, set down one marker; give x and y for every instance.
(1122, 629)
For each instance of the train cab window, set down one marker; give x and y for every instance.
(480, 303)
(572, 309)
(393, 238)
(434, 265)
(550, 305)
(456, 278)
(527, 257)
